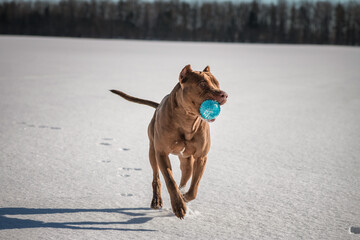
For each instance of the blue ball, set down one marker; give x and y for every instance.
(210, 109)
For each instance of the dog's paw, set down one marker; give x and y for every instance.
(156, 203)
(179, 207)
(188, 197)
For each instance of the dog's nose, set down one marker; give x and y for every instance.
(223, 95)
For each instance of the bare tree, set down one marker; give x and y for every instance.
(304, 22)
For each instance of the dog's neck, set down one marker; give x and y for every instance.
(184, 117)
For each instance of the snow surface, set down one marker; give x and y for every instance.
(284, 162)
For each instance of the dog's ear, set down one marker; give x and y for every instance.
(206, 69)
(184, 72)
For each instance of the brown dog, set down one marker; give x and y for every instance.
(177, 128)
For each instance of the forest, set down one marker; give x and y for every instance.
(251, 22)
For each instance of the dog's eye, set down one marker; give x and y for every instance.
(184, 80)
(203, 84)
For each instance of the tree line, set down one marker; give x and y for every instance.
(305, 22)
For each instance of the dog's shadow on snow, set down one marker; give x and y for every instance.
(138, 216)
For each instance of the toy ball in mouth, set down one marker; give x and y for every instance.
(210, 109)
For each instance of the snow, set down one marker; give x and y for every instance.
(284, 161)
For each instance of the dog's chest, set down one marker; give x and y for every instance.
(180, 148)
(183, 146)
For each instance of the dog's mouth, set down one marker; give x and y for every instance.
(222, 102)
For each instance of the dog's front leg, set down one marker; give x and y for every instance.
(186, 166)
(198, 170)
(177, 201)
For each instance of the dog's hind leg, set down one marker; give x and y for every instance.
(156, 202)
(186, 166)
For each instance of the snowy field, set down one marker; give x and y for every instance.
(285, 156)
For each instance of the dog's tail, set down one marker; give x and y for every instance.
(135, 100)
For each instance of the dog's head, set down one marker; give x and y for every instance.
(199, 86)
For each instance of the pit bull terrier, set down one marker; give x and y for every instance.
(178, 128)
